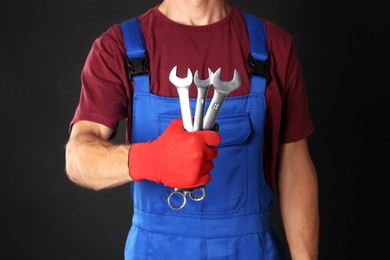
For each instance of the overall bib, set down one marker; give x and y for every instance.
(232, 222)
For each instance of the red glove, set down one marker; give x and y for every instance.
(177, 158)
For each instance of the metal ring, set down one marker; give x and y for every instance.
(198, 198)
(179, 193)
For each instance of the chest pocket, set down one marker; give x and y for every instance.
(233, 129)
(227, 191)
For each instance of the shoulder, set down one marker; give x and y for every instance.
(275, 30)
(282, 50)
(278, 39)
(110, 40)
(277, 36)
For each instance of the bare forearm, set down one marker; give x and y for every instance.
(299, 209)
(298, 192)
(95, 163)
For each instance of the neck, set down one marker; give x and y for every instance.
(194, 12)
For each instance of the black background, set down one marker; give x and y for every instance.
(344, 53)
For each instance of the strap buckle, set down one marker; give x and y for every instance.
(259, 68)
(138, 66)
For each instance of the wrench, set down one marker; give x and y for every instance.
(183, 89)
(183, 86)
(183, 194)
(203, 87)
(221, 90)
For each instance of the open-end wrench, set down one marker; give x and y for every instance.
(221, 90)
(203, 88)
(183, 89)
(183, 86)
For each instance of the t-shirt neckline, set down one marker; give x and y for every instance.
(212, 26)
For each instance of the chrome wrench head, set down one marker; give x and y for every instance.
(226, 86)
(221, 90)
(180, 82)
(203, 88)
(183, 89)
(200, 83)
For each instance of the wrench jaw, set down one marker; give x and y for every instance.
(180, 82)
(226, 86)
(200, 83)
(221, 90)
(203, 87)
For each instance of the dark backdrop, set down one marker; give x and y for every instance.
(345, 57)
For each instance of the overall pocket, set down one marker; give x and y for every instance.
(227, 191)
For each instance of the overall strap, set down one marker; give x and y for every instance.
(258, 58)
(137, 57)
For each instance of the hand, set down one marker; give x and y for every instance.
(177, 158)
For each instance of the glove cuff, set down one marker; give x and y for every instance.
(141, 162)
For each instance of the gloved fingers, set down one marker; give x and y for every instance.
(203, 180)
(211, 138)
(176, 125)
(207, 167)
(211, 153)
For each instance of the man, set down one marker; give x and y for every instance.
(262, 132)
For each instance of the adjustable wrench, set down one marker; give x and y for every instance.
(183, 89)
(203, 88)
(221, 90)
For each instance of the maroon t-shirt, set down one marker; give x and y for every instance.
(106, 93)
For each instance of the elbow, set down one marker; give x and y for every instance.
(75, 174)
(72, 166)
(72, 172)
(78, 167)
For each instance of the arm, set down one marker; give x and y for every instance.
(298, 194)
(92, 161)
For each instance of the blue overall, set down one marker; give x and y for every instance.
(232, 222)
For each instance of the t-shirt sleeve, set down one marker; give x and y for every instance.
(296, 122)
(103, 96)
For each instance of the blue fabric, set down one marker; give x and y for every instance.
(132, 36)
(232, 222)
(257, 37)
